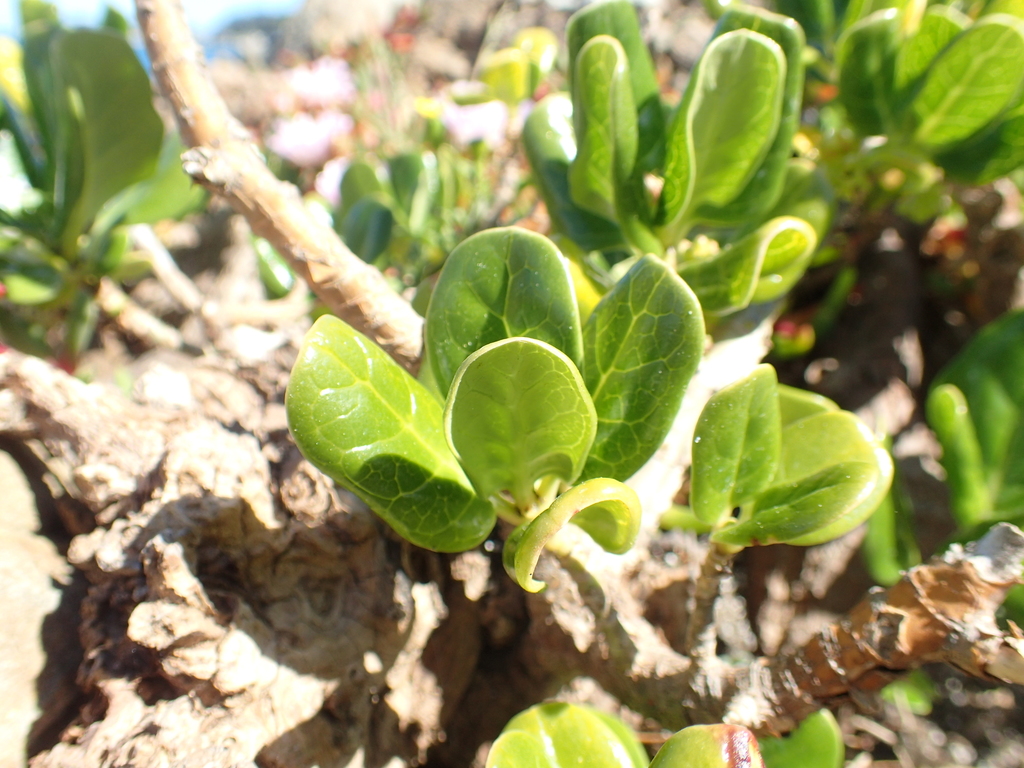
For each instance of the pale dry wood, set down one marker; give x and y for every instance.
(226, 162)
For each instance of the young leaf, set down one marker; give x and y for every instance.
(789, 244)
(496, 285)
(808, 195)
(518, 411)
(736, 445)
(554, 735)
(604, 116)
(832, 474)
(618, 18)
(765, 185)
(990, 374)
(796, 404)
(816, 743)
(550, 145)
(950, 417)
(971, 82)
(710, 746)
(725, 282)
(642, 345)
(508, 74)
(364, 422)
(724, 127)
(939, 25)
(866, 59)
(606, 509)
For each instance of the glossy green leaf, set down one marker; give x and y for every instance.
(496, 285)
(832, 475)
(858, 10)
(604, 118)
(618, 18)
(736, 445)
(939, 25)
(949, 416)
(866, 61)
(989, 372)
(550, 144)
(368, 227)
(724, 127)
(724, 282)
(816, 743)
(367, 424)
(971, 82)
(275, 273)
(766, 184)
(555, 735)
(518, 411)
(796, 404)
(642, 345)
(710, 746)
(806, 194)
(540, 45)
(606, 509)
(789, 244)
(120, 133)
(994, 152)
(1011, 7)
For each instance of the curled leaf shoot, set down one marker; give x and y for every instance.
(606, 509)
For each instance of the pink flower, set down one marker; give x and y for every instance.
(487, 122)
(306, 140)
(328, 181)
(325, 83)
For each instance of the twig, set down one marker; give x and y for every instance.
(942, 611)
(133, 319)
(177, 283)
(226, 162)
(701, 631)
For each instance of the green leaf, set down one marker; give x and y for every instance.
(618, 18)
(30, 283)
(989, 372)
(866, 60)
(816, 743)
(642, 345)
(971, 82)
(367, 424)
(606, 509)
(789, 244)
(169, 194)
(415, 183)
(725, 282)
(518, 411)
(949, 416)
(832, 475)
(766, 184)
(550, 144)
(858, 10)
(120, 133)
(554, 735)
(724, 127)
(710, 746)
(736, 445)
(359, 181)
(368, 227)
(604, 117)
(796, 404)
(275, 273)
(816, 17)
(495, 285)
(994, 152)
(939, 25)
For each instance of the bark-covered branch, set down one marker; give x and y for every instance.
(225, 161)
(941, 611)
